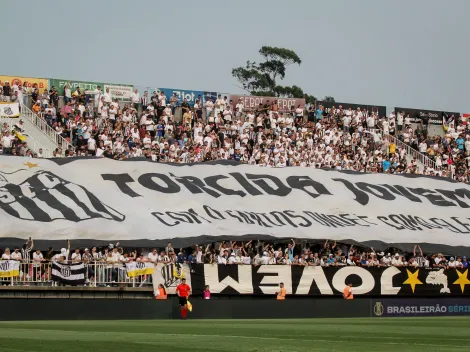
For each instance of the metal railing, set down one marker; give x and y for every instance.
(413, 153)
(98, 274)
(420, 157)
(33, 144)
(42, 126)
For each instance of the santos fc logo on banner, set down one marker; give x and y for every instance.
(9, 268)
(141, 201)
(45, 197)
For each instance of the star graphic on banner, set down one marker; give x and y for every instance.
(412, 279)
(462, 280)
(30, 165)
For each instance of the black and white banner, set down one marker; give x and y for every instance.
(432, 117)
(316, 280)
(137, 201)
(69, 274)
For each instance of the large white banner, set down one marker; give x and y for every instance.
(135, 200)
(9, 110)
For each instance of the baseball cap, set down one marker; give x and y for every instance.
(452, 258)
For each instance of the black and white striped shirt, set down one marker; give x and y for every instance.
(420, 260)
(26, 254)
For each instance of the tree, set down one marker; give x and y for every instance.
(261, 79)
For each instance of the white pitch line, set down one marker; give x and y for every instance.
(127, 335)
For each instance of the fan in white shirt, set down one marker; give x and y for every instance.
(162, 99)
(76, 256)
(153, 256)
(135, 97)
(37, 258)
(227, 114)
(396, 261)
(6, 254)
(107, 96)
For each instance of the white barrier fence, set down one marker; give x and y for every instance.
(98, 274)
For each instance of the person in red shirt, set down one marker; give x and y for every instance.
(183, 291)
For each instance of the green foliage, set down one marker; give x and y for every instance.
(261, 79)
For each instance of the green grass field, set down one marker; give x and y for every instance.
(303, 335)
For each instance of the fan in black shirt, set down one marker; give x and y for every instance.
(185, 106)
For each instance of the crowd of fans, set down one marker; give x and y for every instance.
(342, 139)
(13, 141)
(450, 152)
(325, 254)
(106, 266)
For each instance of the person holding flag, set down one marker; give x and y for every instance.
(183, 291)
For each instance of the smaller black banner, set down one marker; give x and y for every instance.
(316, 280)
(431, 117)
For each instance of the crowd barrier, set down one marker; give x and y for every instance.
(98, 274)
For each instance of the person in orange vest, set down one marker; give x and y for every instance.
(281, 295)
(347, 293)
(183, 291)
(161, 292)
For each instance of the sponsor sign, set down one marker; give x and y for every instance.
(89, 87)
(119, 92)
(139, 268)
(189, 95)
(379, 109)
(42, 83)
(252, 102)
(317, 280)
(9, 110)
(136, 200)
(9, 268)
(433, 117)
(419, 307)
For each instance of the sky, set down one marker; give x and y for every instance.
(406, 53)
